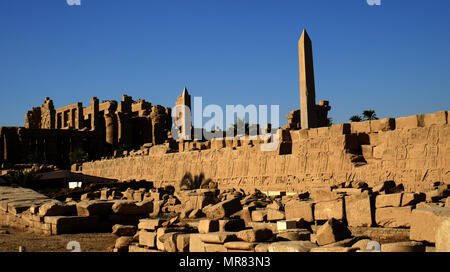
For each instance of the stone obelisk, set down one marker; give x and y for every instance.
(308, 118)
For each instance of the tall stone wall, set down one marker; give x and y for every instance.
(410, 150)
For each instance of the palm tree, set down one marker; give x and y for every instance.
(370, 115)
(356, 118)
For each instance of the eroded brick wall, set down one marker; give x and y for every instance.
(411, 150)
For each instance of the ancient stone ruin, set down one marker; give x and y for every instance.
(379, 185)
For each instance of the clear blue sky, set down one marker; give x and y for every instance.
(393, 58)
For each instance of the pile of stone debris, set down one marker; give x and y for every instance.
(325, 219)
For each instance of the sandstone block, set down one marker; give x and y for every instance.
(424, 223)
(413, 121)
(384, 124)
(333, 249)
(294, 235)
(254, 235)
(218, 237)
(195, 243)
(437, 118)
(403, 247)
(296, 209)
(291, 246)
(132, 207)
(147, 238)
(447, 202)
(210, 247)
(207, 226)
(394, 217)
(358, 210)
(443, 236)
(53, 208)
(182, 241)
(323, 194)
(410, 199)
(223, 209)
(122, 243)
(360, 127)
(259, 215)
(332, 231)
(262, 247)
(275, 215)
(329, 209)
(94, 207)
(239, 245)
(263, 225)
(150, 224)
(389, 200)
(124, 230)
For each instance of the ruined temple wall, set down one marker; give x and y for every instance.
(410, 150)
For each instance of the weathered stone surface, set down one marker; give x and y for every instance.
(424, 223)
(332, 231)
(263, 225)
(291, 246)
(223, 209)
(329, 209)
(240, 245)
(207, 226)
(218, 237)
(403, 247)
(358, 210)
(275, 215)
(132, 207)
(212, 247)
(254, 235)
(294, 235)
(122, 243)
(389, 200)
(410, 199)
(94, 207)
(323, 194)
(54, 208)
(394, 217)
(147, 238)
(447, 202)
(296, 209)
(169, 241)
(150, 224)
(137, 248)
(195, 243)
(259, 215)
(123, 230)
(182, 241)
(262, 247)
(443, 236)
(333, 249)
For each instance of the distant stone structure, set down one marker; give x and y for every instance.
(310, 115)
(128, 123)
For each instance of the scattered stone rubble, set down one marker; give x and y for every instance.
(209, 220)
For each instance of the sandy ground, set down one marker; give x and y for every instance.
(89, 242)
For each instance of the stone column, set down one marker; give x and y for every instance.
(111, 128)
(95, 112)
(307, 88)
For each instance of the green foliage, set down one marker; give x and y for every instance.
(356, 118)
(189, 182)
(366, 115)
(23, 179)
(370, 115)
(78, 156)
